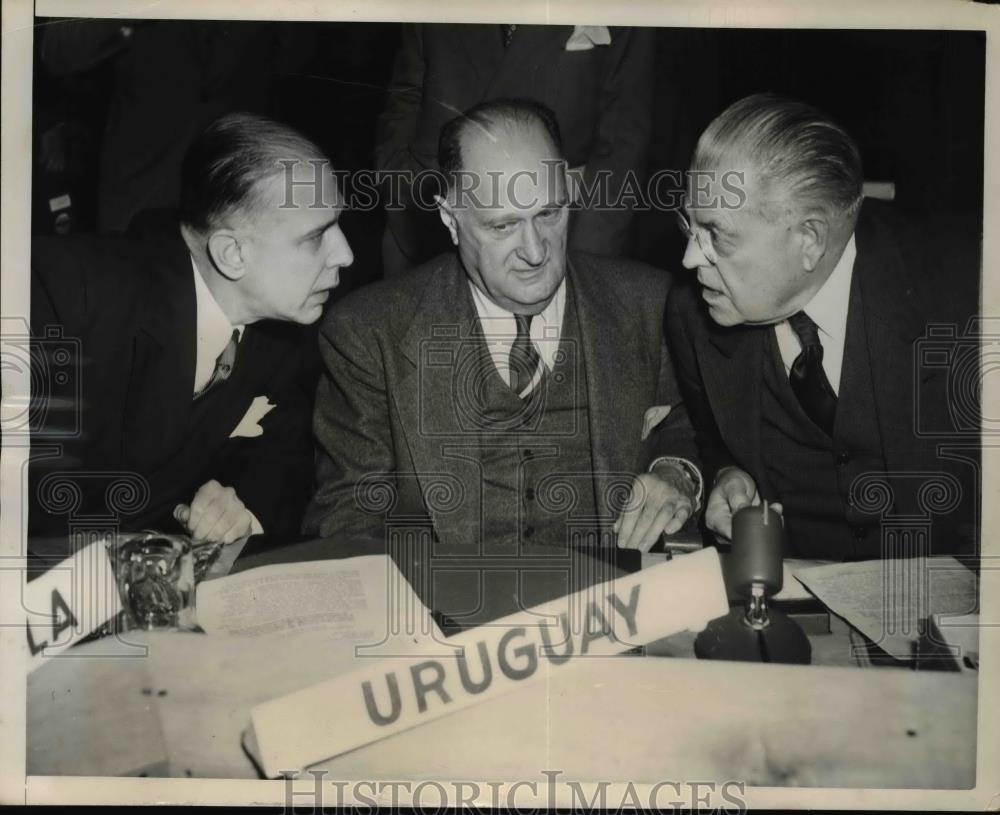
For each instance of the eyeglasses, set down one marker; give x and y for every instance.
(700, 235)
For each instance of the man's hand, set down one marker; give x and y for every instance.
(658, 504)
(215, 514)
(734, 489)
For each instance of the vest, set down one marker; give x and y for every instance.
(527, 469)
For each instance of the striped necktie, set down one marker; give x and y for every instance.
(524, 358)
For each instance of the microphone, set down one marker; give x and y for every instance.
(751, 631)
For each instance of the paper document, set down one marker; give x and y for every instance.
(791, 587)
(362, 599)
(889, 601)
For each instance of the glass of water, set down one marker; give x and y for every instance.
(156, 580)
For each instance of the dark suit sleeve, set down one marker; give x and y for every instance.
(351, 425)
(58, 297)
(674, 435)
(61, 289)
(68, 287)
(622, 138)
(397, 126)
(63, 295)
(680, 332)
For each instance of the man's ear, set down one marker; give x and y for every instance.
(815, 233)
(448, 218)
(227, 254)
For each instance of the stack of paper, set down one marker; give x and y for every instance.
(890, 601)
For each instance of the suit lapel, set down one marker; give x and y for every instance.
(161, 380)
(732, 370)
(224, 406)
(427, 394)
(618, 394)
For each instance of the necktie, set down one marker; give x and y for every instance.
(223, 364)
(524, 357)
(508, 34)
(807, 377)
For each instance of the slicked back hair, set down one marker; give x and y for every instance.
(790, 146)
(490, 116)
(224, 167)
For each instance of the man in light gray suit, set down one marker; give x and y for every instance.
(509, 392)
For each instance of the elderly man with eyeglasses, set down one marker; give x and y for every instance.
(819, 343)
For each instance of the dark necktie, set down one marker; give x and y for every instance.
(524, 357)
(223, 364)
(807, 377)
(508, 34)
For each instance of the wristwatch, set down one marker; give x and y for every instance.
(689, 471)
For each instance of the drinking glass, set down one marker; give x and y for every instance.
(156, 580)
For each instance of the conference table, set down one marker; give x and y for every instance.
(176, 703)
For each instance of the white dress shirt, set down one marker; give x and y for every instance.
(828, 309)
(213, 331)
(500, 331)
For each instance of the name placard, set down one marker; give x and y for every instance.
(68, 602)
(295, 731)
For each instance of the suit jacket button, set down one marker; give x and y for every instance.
(843, 459)
(529, 493)
(860, 532)
(528, 531)
(527, 453)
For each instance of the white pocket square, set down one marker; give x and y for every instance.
(655, 415)
(585, 37)
(249, 426)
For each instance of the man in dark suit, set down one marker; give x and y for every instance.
(510, 393)
(597, 80)
(801, 346)
(190, 406)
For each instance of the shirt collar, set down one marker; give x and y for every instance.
(500, 329)
(213, 325)
(213, 330)
(828, 307)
